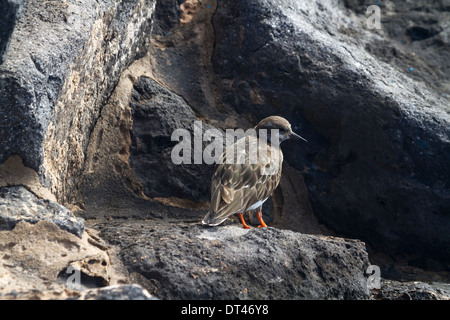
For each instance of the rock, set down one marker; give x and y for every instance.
(156, 114)
(117, 292)
(229, 262)
(413, 35)
(61, 62)
(18, 204)
(14, 173)
(293, 210)
(40, 261)
(411, 290)
(183, 41)
(128, 159)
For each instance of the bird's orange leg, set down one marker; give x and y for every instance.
(259, 216)
(241, 217)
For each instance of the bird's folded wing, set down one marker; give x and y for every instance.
(236, 187)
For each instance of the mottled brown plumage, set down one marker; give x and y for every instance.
(242, 181)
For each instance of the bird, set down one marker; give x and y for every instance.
(239, 183)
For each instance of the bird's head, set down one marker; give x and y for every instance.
(282, 126)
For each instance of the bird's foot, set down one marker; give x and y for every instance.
(259, 216)
(241, 217)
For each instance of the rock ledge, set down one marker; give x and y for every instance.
(189, 261)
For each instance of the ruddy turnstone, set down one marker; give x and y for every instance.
(248, 172)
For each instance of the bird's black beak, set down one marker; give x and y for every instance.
(293, 135)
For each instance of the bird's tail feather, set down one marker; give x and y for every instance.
(211, 219)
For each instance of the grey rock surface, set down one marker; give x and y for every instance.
(411, 290)
(188, 261)
(18, 204)
(117, 292)
(42, 261)
(157, 113)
